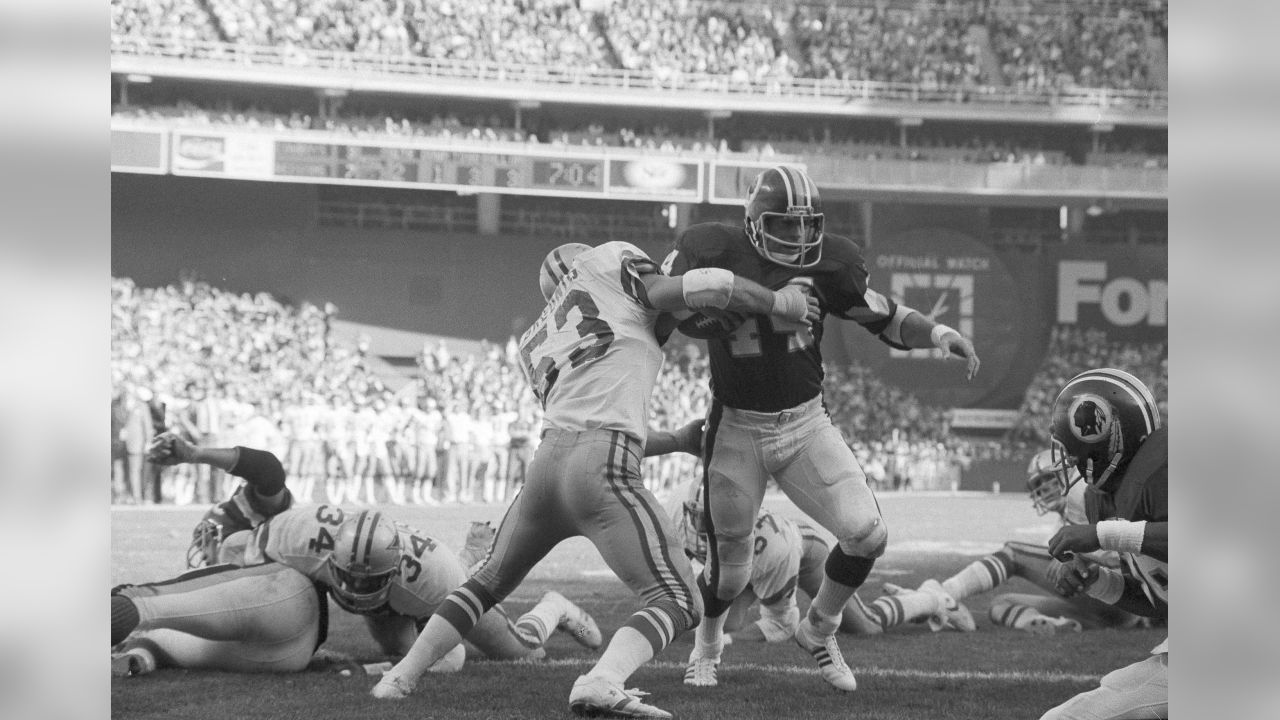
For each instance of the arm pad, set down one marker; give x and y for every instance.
(261, 469)
(707, 288)
(893, 332)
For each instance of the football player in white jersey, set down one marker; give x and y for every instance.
(788, 555)
(592, 358)
(387, 572)
(1050, 492)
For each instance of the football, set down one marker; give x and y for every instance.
(711, 324)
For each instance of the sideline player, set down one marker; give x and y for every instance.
(1053, 490)
(387, 572)
(767, 418)
(788, 555)
(592, 358)
(1106, 424)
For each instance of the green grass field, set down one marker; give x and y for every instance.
(907, 674)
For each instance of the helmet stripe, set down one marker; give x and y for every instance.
(355, 542)
(1137, 385)
(555, 266)
(1137, 399)
(786, 181)
(368, 543)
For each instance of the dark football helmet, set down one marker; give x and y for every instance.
(1098, 422)
(784, 217)
(556, 265)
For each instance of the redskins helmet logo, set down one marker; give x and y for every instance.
(1090, 418)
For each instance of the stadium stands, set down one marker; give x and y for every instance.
(933, 45)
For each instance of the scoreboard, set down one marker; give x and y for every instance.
(433, 163)
(426, 166)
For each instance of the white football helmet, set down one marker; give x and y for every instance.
(556, 265)
(364, 560)
(1046, 483)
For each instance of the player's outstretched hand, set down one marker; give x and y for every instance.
(960, 346)
(169, 448)
(1073, 539)
(689, 438)
(1072, 577)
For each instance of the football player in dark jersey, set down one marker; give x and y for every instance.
(767, 418)
(1105, 424)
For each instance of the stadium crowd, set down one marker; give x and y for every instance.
(932, 45)
(1029, 147)
(226, 369)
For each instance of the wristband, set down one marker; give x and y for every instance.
(1122, 535)
(1108, 587)
(936, 336)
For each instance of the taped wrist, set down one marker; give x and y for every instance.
(1122, 535)
(1108, 587)
(707, 288)
(790, 303)
(937, 334)
(261, 469)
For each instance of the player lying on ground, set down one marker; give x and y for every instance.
(789, 555)
(1035, 613)
(257, 610)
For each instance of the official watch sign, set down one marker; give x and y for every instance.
(950, 278)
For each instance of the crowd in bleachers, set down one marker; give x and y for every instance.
(930, 49)
(224, 368)
(929, 44)
(931, 146)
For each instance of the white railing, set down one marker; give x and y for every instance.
(341, 65)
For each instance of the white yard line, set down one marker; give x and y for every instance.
(1000, 676)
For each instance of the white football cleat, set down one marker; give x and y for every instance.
(451, 662)
(826, 651)
(952, 614)
(392, 687)
(575, 621)
(701, 671)
(1046, 625)
(131, 662)
(597, 697)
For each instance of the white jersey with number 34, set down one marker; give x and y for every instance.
(592, 357)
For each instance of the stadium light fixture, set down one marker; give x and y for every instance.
(138, 78)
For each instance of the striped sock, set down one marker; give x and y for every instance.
(893, 610)
(978, 577)
(1013, 615)
(535, 626)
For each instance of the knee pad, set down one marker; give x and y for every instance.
(869, 541)
(848, 570)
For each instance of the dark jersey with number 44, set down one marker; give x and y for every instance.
(756, 368)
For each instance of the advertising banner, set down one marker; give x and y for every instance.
(138, 150)
(951, 278)
(1123, 290)
(655, 178)
(212, 154)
